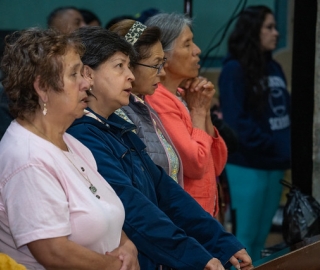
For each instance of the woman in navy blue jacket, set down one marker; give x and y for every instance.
(256, 104)
(168, 227)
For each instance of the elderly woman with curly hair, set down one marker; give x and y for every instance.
(56, 210)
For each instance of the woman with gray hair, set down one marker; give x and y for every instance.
(185, 113)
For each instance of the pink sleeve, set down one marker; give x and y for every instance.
(219, 152)
(36, 205)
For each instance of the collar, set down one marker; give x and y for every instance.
(113, 122)
(137, 98)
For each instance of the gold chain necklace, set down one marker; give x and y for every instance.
(92, 188)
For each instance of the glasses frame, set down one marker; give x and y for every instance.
(158, 67)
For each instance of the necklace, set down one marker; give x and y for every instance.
(92, 188)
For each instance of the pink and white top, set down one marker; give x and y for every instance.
(43, 195)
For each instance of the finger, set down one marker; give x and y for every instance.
(209, 85)
(124, 266)
(235, 262)
(207, 94)
(246, 265)
(193, 84)
(112, 253)
(187, 84)
(245, 259)
(201, 84)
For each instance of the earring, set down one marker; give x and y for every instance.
(44, 112)
(90, 89)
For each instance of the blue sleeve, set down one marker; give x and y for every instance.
(232, 101)
(151, 230)
(187, 214)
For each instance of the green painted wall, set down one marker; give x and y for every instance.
(209, 15)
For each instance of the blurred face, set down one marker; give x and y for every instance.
(69, 21)
(147, 78)
(111, 84)
(70, 103)
(183, 60)
(269, 34)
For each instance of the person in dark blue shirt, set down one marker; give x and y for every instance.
(255, 103)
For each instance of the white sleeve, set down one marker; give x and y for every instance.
(36, 205)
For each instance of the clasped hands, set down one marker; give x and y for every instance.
(197, 93)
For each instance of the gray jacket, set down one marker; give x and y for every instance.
(142, 115)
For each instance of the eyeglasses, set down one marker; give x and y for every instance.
(158, 67)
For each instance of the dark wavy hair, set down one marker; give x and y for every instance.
(244, 45)
(100, 44)
(149, 37)
(31, 53)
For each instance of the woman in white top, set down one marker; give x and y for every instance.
(56, 210)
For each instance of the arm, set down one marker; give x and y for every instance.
(232, 97)
(193, 145)
(38, 215)
(209, 126)
(198, 94)
(219, 153)
(195, 148)
(60, 253)
(197, 223)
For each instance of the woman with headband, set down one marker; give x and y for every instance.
(148, 69)
(168, 227)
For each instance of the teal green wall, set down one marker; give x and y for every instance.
(208, 15)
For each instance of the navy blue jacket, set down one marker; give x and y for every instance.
(165, 223)
(264, 140)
